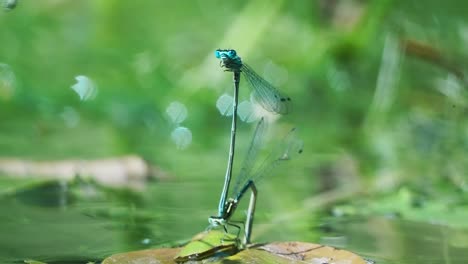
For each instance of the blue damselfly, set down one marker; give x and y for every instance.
(263, 92)
(248, 177)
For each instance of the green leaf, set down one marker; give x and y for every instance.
(208, 244)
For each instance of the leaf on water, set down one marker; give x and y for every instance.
(311, 253)
(278, 252)
(177, 112)
(149, 256)
(224, 105)
(246, 112)
(207, 244)
(182, 137)
(85, 88)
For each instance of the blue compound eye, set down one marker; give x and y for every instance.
(217, 54)
(232, 53)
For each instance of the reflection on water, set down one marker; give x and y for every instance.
(386, 241)
(54, 222)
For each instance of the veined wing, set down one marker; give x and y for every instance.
(250, 157)
(270, 98)
(288, 149)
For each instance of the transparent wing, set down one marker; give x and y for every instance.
(288, 149)
(270, 98)
(251, 155)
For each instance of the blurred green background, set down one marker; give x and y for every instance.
(379, 97)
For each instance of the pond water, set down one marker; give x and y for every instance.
(71, 223)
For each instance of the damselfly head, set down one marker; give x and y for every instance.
(225, 53)
(229, 59)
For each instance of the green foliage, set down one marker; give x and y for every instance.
(379, 93)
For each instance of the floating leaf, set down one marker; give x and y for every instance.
(278, 252)
(308, 253)
(208, 244)
(149, 256)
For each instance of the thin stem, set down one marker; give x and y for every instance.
(250, 214)
(227, 178)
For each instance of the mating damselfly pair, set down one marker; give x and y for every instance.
(274, 101)
(271, 99)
